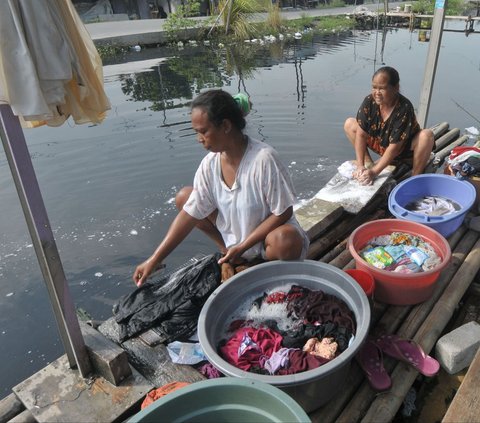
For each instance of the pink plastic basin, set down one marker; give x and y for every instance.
(400, 288)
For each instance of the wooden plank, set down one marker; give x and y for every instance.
(391, 322)
(10, 406)
(464, 407)
(349, 193)
(154, 363)
(58, 393)
(24, 417)
(340, 230)
(446, 139)
(355, 399)
(403, 376)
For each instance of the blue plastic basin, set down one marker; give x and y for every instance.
(416, 187)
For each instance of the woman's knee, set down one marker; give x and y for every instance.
(284, 243)
(427, 135)
(424, 143)
(350, 125)
(182, 196)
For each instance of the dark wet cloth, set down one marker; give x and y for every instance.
(210, 371)
(400, 127)
(296, 338)
(172, 304)
(301, 361)
(318, 307)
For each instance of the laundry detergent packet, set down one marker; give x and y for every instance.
(396, 251)
(416, 255)
(377, 257)
(405, 265)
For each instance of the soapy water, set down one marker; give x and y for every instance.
(250, 311)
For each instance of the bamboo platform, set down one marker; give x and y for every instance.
(425, 322)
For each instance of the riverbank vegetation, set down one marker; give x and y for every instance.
(238, 20)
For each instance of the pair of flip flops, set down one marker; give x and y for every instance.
(370, 359)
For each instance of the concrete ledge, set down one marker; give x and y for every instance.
(317, 215)
(464, 407)
(456, 350)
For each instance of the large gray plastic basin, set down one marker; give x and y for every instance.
(310, 389)
(224, 400)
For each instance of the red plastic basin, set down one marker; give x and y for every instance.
(400, 288)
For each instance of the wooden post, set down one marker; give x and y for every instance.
(43, 241)
(432, 59)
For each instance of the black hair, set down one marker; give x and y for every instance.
(220, 105)
(393, 76)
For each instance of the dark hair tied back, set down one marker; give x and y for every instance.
(393, 76)
(220, 105)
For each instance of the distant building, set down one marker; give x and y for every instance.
(115, 10)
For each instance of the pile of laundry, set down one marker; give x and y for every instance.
(464, 162)
(288, 331)
(400, 252)
(433, 205)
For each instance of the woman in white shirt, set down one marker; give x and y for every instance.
(242, 195)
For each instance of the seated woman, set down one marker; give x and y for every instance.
(242, 195)
(386, 123)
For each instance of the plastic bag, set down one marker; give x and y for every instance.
(170, 305)
(185, 352)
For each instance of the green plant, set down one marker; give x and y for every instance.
(334, 22)
(180, 20)
(236, 14)
(454, 7)
(299, 24)
(274, 19)
(108, 52)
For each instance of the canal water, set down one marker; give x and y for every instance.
(109, 189)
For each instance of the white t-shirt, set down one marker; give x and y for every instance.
(262, 186)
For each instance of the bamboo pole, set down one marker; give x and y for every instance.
(355, 399)
(331, 238)
(442, 154)
(431, 329)
(446, 139)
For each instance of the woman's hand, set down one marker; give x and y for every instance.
(233, 255)
(143, 271)
(364, 176)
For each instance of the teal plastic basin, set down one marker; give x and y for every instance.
(224, 400)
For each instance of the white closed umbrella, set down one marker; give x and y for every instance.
(49, 71)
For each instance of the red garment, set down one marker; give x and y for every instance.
(267, 342)
(155, 394)
(301, 361)
(457, 151)
(276, 297)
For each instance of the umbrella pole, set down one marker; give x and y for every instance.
(41, 233)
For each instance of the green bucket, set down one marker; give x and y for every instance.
(226, 400)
